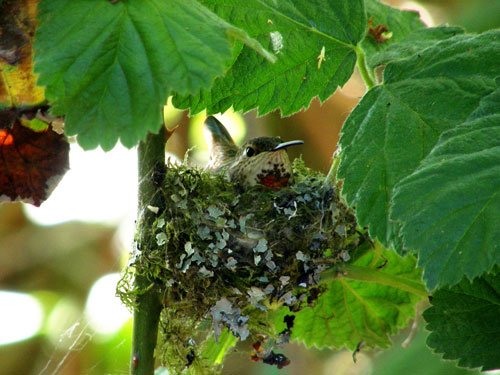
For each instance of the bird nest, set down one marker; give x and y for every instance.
(225, 257)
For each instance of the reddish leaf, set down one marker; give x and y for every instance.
(31, 163)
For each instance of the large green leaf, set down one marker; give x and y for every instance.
(374, 298)
(110, 67)
(450, 206)
(415, 358)
(297, 32)
(399, 23)
(214, 351)
(398, 123)
(464, 322)
(407, 34)
(413, 43)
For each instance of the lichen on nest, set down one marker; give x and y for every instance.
(225, 255)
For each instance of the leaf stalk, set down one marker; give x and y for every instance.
(365, 72)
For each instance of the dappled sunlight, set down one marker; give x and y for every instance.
(21, 317)
(99, 187)
(104, 311)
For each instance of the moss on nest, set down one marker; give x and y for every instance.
(228, 255)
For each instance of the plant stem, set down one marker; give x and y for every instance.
(145, 329)
(363, 69)
(151, 154)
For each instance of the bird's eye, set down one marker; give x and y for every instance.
(249, 151)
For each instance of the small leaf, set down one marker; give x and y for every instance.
(368, 307)
(464, 322)
(214, 211)
(261, 246)
(110, 67)
(450, 206)
(398, 123)
(297, 32)
(31, 163)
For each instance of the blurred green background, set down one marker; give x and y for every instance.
(59, 264)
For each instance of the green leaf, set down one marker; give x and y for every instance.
(297, 32)
(400, 24)
(450, 206)
(214, 352)
(397, 124)
(415, 358)
(413, 43)
(110, 67)
(365, 305)
(464, 322)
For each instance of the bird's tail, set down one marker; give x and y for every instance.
(221, 145)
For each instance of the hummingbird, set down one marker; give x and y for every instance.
(261, 160)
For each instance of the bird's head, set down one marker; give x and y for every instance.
(262, 160)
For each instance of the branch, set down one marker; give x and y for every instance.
(151, 154)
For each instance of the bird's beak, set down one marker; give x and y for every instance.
(287, 144)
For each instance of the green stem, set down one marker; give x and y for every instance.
(376, 276)
(363, 69)
(151, 154)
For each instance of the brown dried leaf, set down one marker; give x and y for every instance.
(379, 32)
